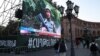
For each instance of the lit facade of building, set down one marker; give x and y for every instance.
(78, 26)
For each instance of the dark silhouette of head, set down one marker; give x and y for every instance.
(93, 40)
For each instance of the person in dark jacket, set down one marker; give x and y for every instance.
(56, 48)
(56, 45)
(62, 48)
(94, 48)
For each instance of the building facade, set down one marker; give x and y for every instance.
(78, 27)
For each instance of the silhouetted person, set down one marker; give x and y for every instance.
(83, 42)
(56, 48)
(56, 45)
(93, 48)
(77, 42)
(62, 48)
(87, 43)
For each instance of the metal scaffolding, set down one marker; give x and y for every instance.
(7, 10)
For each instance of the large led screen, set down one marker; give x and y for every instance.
(40, 18)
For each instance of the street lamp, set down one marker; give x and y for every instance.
(85, 33)
(69, 10)
(87, 36)
(86, 30)
(76, 8)
(61, 9)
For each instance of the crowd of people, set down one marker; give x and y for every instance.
(61, 48)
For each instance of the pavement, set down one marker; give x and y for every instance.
(79, 51)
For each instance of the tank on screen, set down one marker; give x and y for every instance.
(40, 17)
